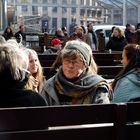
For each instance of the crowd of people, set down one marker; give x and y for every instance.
(77, 80)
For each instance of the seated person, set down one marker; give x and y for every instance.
(13, 72)
(55, 46)
(76, 81)
(126, 86)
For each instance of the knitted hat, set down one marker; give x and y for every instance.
(81, 47)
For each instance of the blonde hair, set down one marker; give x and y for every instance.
(39, 75)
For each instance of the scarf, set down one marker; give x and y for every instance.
(79, 90)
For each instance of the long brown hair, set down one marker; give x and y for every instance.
(132, 52)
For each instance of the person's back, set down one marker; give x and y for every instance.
(13, 80)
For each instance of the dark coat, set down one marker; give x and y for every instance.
(20, 98)
(16, 95)
(116, 44)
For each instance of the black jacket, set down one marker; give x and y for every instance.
(14, 94)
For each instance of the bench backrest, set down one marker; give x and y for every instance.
(133, 121)
(102, 59)
(77, 122)
(108, 72)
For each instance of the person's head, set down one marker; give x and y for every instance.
(76, 58)
(138, 26)
(8, 30)
(79, 31)
(56, 43)
(22, 28)
(128, 26)
(130, 56)
(59, 32)
(90, 26)
(34, 64)
(117, 32)
(12, 65)
(130, 60)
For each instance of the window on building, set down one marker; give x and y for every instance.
(82, 12)
(82, 2)
(88, 3)
(99, 13)
(64, 10)
(45, 8)
(35, 10)
(35, 1)
(93, 2)
(93, 13)
(24, 1)
(54, 23)
(64, 2)
(45, 1)
(73, 10)
(64, 22)
(73, 2)
(24, 8)
(54, 1)
(54, 9)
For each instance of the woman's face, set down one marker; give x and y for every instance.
(115, 33)
(73, 68)
(33, 64)
(124, 60)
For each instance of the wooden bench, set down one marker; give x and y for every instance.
(98, 122)
(108, 72)
(60, 122)
(102, 59)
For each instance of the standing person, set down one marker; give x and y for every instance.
(20, 35)
(12, 72)
(117, 40)
(126, 85)
(127, 33)
(91, 37)
(37, 79)
(8, 33)
(74, 83)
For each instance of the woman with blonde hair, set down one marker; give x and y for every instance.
(37, 79)
(117, 40)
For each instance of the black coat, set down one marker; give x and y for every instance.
(15, 94)
(20, 98)
(116, 44)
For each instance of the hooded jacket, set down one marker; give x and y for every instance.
(127, 88)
